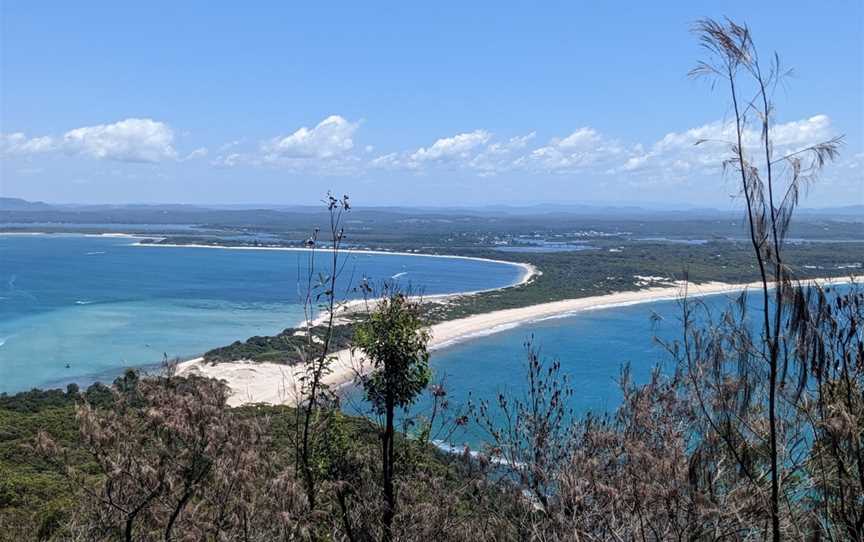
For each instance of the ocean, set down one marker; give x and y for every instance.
(77, 308)
(592, 347)
(101, 304)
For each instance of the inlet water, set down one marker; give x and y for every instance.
(76, 308)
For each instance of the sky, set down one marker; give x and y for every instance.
(406, 103)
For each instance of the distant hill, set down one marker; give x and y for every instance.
(17, 204)
(188, 213)
(844, 211)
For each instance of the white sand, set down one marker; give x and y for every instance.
(276, 384)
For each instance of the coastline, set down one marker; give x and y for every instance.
(529, 271)
(273, 383)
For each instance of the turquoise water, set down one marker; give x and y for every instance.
(100, 304)
(592, 347)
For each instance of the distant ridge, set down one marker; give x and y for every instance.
(17, 204)
(594, 209)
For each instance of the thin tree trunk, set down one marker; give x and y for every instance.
(389, 496)
(342, 497)
(778, 313)
(772, 385)
(321, 362)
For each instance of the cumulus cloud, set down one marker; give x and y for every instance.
(388, 161)
(675, 157)
(448, 147)
(19, 144)
(330, 148)
(580, 139)
(500, 156)
(478, 151)
(323, 149)
(583, 148)
(130, 140)
(330, 137)
(703, 148)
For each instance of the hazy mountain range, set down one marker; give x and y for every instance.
(17, 204)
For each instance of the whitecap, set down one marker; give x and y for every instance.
(80, 302)
(397, 275)
(460, 450)
(94, 253)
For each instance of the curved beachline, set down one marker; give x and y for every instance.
(529, 271)
(80, 234)
(253, 382)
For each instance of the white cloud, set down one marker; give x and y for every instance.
(325, 149)
(679, 151)
(330, 148)
(129, 140)
(329, 138)
(448, 147)
(200, 152)
(803, 132)
(635, 162)
(388, 161)
(476, 151)
(582, 138)
(580, 150)
(499, 157)
(19, 144)
(675, 157)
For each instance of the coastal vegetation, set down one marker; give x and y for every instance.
(753, 430)
(77, 464)
(570, 275)
(394, 340)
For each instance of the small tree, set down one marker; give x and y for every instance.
(316, 402)
(395, 342)
(770, 184)
(171, 462)
(532, 435)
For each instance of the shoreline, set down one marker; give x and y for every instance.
(529, 271)
(253, 382)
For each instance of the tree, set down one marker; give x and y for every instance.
(316, 403)
(532, 435)
(171, 462)
(394, 342)
(770, 186)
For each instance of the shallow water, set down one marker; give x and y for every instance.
(100, 304)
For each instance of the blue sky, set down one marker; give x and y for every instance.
(402, 103)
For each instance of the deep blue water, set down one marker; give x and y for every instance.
(100, 304)
(592, 347)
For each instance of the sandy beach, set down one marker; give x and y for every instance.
(528, 270)
(273, 383)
